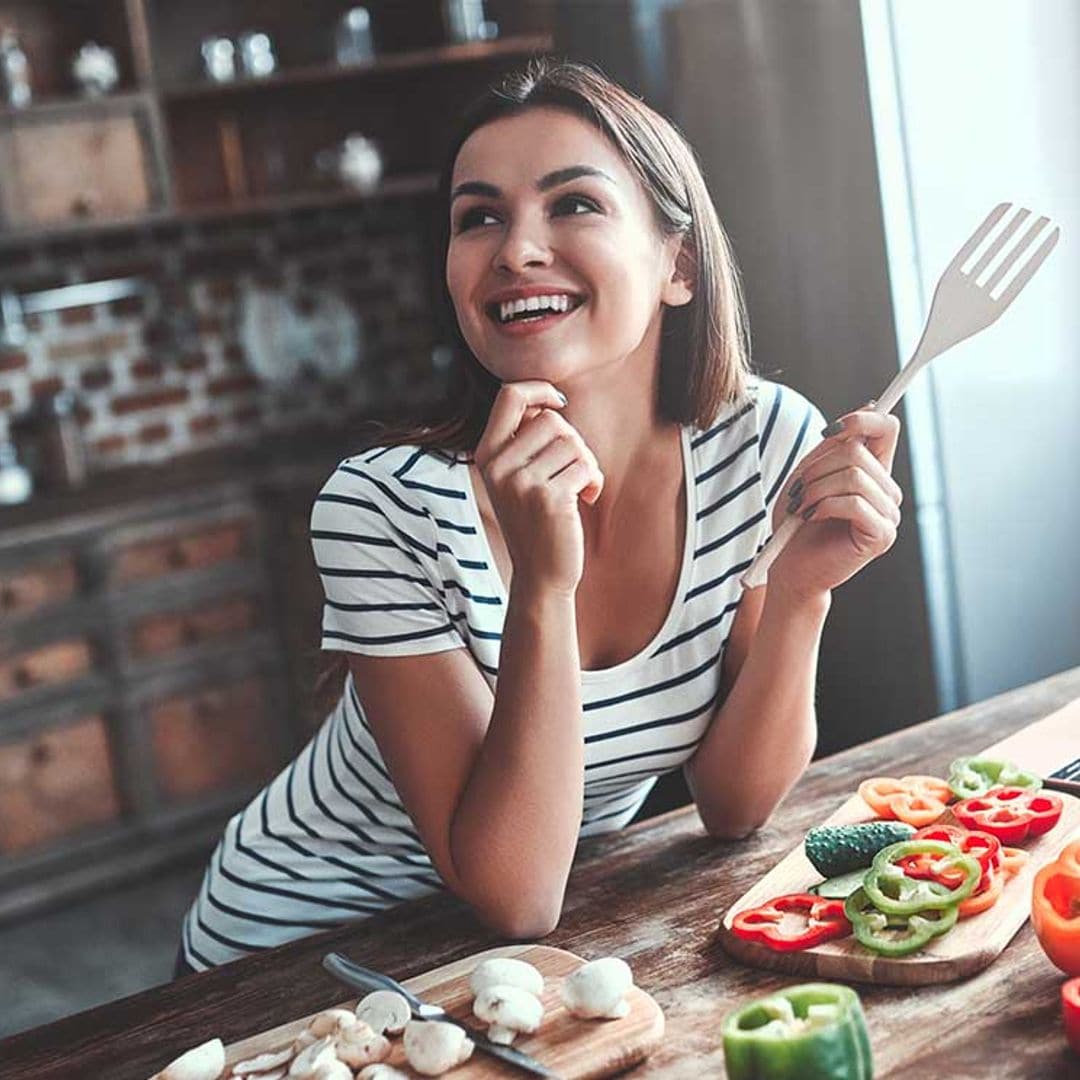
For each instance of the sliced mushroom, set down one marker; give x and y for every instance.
(303, 1041)
(332, 1022)
(262, 1063)
(204, 1062)
(273, 1074)
(506, 971)
(362, 1046)
(596, 991)
(510, 1011)
(381, 1072)
(333, 1070)
(309, 1059)
(386, 1011)
(434, 1046)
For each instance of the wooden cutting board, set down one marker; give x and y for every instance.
(575, 1049)
(1043, 747)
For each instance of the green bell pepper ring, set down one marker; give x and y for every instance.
(814, 1031)
(970, 777)
(895, 935)
(894, 893)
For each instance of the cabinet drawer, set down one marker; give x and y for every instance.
(154, 635)
(27, 589)
(47, 665)
(55, 782)
(212, 739)
(195, 549)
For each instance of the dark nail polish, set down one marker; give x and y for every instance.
(562, 397)
(809, 513)
(796, 488)
(832, 429)
(795, 502)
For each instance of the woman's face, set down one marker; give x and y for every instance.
(546, 216)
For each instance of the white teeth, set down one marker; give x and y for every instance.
(557, 302)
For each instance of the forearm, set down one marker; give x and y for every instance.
(515, 828)
(762, 737)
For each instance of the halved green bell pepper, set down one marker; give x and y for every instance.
(814, 1031)
(894, 893)
(970, 777)
(895, 935)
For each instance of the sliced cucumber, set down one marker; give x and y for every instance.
(837, 849)
(841, 886)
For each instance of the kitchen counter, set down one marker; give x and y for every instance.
(652, 894)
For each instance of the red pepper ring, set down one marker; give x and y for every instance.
(984, 847)
(1011, 814)
(825, 920)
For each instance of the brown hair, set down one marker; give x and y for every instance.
(705, 345)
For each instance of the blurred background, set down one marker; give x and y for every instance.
(217, 263)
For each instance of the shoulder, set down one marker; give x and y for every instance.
(779, 409)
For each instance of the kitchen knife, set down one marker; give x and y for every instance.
(362, 978)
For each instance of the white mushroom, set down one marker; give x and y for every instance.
(385, 1011)
(262, 1063)
(309, 1059)
(596, 990)
(381, 1072)
(434, 1046)
(510, 1011)
(303, 1041)
(506, 971)
(273, 1074)
(205, 1062)
(332, 1022)
(362, 1046)
(333, 1070)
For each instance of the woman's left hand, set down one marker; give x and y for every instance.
(851, 504)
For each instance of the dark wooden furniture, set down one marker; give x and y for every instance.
(653, 895)
(247, 145)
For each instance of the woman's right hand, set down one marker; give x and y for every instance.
(535, 467)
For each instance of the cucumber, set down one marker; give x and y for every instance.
(839, 849)
(841, 886)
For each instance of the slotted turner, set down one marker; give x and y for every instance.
(961, 307)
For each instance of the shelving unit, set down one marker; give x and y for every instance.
(213, 150)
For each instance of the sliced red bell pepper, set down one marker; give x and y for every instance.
(1070, 1011)
(1012, 814)
(982, 846)
(825, 920)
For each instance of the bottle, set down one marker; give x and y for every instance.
(60, 444)
(16, 485)
(14, 70)
(352, 39)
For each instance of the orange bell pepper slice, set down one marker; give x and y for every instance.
(984, 897)
(918, 800)
(1055, 910)
(1013, 860)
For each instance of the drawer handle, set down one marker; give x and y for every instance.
(177, 558)
(23, 678)
(41, 754)
(207, 709)
(9, 599)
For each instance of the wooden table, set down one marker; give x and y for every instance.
(652, 894)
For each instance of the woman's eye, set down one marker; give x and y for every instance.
(474, 216)
(575, 204)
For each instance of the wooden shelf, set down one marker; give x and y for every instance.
(76, 108)
(391, 62)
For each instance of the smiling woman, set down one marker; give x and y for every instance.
(537, 601)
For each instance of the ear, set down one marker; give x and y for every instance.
(678, 290)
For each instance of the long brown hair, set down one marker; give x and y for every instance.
(705, 346)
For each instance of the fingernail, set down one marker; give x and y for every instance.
(808, 514)
(562, 397)
(832, 429)
(796, 488)
(795, 502)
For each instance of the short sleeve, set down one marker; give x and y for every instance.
(376, 553)
(789, 427)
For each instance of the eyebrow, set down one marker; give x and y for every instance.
(545, 183)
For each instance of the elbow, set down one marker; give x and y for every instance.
(523, 920)
(732, 830)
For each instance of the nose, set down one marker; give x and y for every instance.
(524, 245)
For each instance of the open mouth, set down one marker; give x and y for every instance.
(534, 309)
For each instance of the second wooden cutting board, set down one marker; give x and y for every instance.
(969, 946)
(574, 1049)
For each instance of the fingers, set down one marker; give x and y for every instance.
(511, 407)
(879, 431)
(849, 481)
(872, 532)
(836, 457)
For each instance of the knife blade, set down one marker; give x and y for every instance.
(362, 978)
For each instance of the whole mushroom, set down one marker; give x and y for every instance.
(506, 971)
(204, 1062)
(597, 990)
(434, 1046)
(510, 1011)
(384, 1011)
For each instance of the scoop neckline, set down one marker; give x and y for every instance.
(593, 675)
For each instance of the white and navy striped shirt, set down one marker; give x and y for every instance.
(406, 567)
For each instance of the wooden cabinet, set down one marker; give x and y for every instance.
(216, 620)
(192, 547)
(31, 588)
(45, 666)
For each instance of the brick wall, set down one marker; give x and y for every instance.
(167, 374)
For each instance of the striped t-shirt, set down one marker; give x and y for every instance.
(407, 569)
